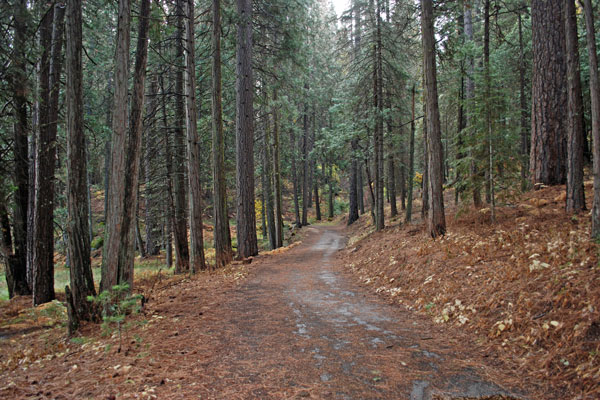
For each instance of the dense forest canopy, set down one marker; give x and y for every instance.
(211, 130)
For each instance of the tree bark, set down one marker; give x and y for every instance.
(180, 225)
(246, 218)
(360, 188)
(43, 222)
(305, 160)
(151, 207)
(223, 251)
(267, 176)
(411, 159)
(116, 188)
(330, 205)
(595, 99)
(378, 133)
(425, 176)
(488, 111)
(16, 271)
(295, 195)
(353, 208)
(277, 176)
(575, 192)
(548, 157)
(436, 219)
(119, 249)
(469, 95)
(80, 271)
(523, 103)
(197, 260)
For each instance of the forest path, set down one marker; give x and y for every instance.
(299, 328)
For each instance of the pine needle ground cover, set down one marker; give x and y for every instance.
(527, 288)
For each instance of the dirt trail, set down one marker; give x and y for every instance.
(304, 330)
(296, 328)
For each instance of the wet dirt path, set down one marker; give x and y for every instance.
(302, 329)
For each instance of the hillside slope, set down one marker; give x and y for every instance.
(527, 287)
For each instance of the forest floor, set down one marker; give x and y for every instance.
(289, 325)
(500, 311)
(526, 288)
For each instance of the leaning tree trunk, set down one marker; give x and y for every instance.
(246, 216)
(43, 222)
(436, 220)
(575, 133)
(223, 251)
(197, 260)
(595, 97)
(81, 278)
(548, 156)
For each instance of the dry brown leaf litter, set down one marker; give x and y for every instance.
(528, 287)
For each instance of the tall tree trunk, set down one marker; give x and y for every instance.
(488, 111)
(469, 95)
(116, 188)
(197, 260)
(595, 98)
(305, 160)
(371, 191)
(267, 187)
(246, 218)
(411, 159)
(43, 223)
(295, 195)
(392, 183)
(223, 251)
(548, 157)
(80, 271)
(523, 103)
(330, 205)
(378, 133)
(277, 176)
(576, 135)
(16, 271)
(180, 225)
(317, 200)
(425, 176)
(360, 188)
(436, 219)
(354, 170)
(151, 208)
(134, 150)
(168, 201)
(119, 246)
